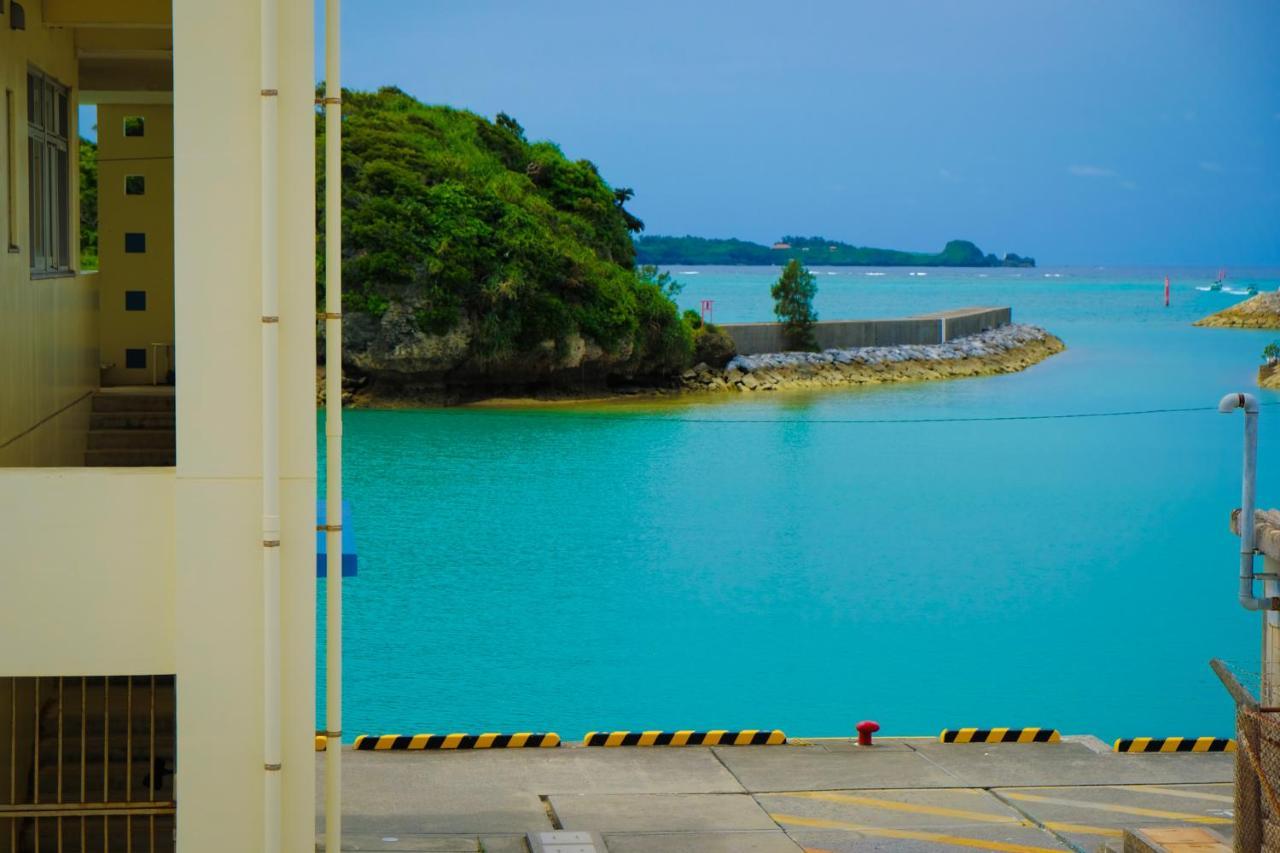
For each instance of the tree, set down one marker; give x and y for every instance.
(88, 205)
(793, 296)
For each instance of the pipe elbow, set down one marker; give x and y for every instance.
(1249, 603)
(1231, 402)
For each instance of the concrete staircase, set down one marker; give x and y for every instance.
(132, 427)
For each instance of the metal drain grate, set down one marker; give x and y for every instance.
(566, 841)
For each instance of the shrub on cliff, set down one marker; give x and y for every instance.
(793, 294)
(478, 228)
(712, 345)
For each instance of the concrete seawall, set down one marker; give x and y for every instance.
(937, 328)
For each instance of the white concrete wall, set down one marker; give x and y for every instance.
(48, 326)
(218, 590)
(87, 575)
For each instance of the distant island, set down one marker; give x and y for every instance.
(812, 251)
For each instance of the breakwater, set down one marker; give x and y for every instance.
(1006, 349)
(936, 328)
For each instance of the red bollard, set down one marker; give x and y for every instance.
(866, 729)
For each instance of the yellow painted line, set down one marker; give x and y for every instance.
(912, 835)
(912, 808)
(1107, 807)
(1173, 792)
(1082, 829)
(943, 811)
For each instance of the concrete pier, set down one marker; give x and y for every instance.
(814, 795)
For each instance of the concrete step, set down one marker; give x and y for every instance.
(133, 402)
(1174, 839)
(132, 439)
(132, 420)
(130, 458)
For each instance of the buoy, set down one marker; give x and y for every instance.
(1166, 291)
(866, 729)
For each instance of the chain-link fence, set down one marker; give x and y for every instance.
(1257, 776)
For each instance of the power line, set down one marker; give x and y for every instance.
(868, 421)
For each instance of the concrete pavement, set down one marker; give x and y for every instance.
(816, 795)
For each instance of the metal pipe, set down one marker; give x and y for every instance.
(333, 422)
(270, 320)
(1248, 490)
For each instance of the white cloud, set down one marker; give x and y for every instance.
(1087, 171)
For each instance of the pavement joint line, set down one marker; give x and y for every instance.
(1189, 817)
(551, 811)
(910, 835)
(1068, 843)
(925, 755)
(715, 751)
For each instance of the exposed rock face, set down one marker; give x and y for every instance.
(1269, 376)
(1260, 312)
(1004, 350)
(391, 350)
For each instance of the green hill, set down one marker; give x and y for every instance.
(814, 251)
(473, 255)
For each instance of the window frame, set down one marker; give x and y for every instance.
(49, 178)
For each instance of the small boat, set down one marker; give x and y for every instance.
(1217, 284)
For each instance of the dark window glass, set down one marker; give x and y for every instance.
(135, 359)
(135, 300)
(135, 185)
(135, 243)
(135, 126)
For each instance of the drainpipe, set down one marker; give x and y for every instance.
(333, 423)
(1249, 403)
(271, 724)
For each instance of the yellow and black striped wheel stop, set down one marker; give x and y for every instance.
(1000, 736)
(520, 740)
(1175, 744)
(715, 737)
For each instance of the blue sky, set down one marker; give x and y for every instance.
(1077, 131)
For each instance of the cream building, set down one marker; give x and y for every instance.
(147, 673)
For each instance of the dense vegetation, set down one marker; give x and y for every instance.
(478, 228)
(814, 251)
(88, 204)
(793, 294)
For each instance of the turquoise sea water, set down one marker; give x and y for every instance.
(752, 562)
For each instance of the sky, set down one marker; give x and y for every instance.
(1076, 131)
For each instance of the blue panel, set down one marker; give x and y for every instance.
(349, 563)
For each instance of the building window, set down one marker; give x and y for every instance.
(49, 174)
(135, 126)
(135, 185)
(135, 359)
(11, 169)
(135, 243)
(135, 300)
